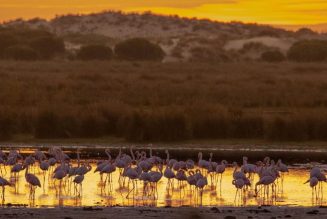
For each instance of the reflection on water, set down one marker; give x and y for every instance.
(94, 192)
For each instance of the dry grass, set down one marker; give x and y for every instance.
(163, 102)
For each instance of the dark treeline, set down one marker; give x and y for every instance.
(145, 101)
(160, 124)
(38, 44)
(29, 44)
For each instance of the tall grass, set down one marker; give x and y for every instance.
(163, 102)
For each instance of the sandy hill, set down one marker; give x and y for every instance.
(181, 38)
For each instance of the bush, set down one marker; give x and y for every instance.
(305, 31)
(272, 56)
(20, 52)
(308, 51)
(95, 52)
(48, 46)
(139, 49)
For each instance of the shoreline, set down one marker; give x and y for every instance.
(225, 144)
(264, 212)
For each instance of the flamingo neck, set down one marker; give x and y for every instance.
(119, 155)
(235, 168)
(26, 170)
(78, 160)
(133, 157)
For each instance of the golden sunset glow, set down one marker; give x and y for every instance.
(282, 12)
(295, 193)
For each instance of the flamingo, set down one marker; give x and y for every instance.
(120, 162)
(220, 169)
(250, 169)
(316, 172)
(133, 175)
(3, 184)
(266, 181)
(181, 178)
(239, 185)
(61, 171)
(200, 184)
(203, 164)
(16, 169)
(170, 175)
(33, 181)
(313, 182)
(170, 162)
(155, 177)
(108, 168)
(78, 181)
(191, 179)
(39, 155)
(44, 166)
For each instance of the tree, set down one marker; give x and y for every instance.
(139, 49)
(95, 52)
(272, 56)
(308, 51)
(48, 46)
(20, 52)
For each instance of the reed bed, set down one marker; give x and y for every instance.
(142, 101)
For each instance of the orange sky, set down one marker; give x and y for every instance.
(259, 11)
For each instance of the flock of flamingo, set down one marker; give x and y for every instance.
(139, 169)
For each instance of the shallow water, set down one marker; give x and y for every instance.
(293, 192)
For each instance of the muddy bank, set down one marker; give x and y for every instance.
(166, 213)
(182, 152)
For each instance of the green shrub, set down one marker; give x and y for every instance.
(308, 51)
(139, 49)
(95, 52)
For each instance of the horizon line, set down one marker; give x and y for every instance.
(288, 27)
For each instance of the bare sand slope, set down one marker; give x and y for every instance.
(165, 213)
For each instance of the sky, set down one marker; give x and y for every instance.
(275, 12)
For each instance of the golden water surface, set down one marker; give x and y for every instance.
(291, 192)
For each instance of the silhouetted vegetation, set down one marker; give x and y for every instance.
(308, 51)
(29, 44)
(272, 56)
(305, 31)
(163, 102)
(139, 49)
(18, 52)
(48, 46)
(95, 52)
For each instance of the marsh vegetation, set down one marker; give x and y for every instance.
(142, 101)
